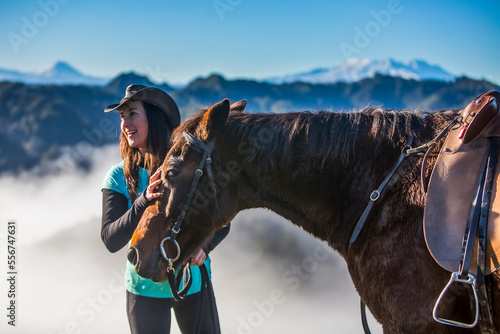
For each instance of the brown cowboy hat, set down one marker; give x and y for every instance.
(154, 96)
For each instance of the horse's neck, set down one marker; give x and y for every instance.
(320, 194)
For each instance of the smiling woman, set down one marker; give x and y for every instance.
(134, 124)
(148, 117)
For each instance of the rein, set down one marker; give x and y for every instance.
(406, 151)
(205, 160)
(479, 295)
(375, 195)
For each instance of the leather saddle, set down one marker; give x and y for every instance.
(453, 184)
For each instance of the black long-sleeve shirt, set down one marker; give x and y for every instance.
(119, 222)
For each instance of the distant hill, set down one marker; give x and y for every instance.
(354, 70)
(120, 83)
(61, 73)
(41, 123)
(379, 91)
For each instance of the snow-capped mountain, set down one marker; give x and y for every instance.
(60, 73)
(356, 69)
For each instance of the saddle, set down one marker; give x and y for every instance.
(454, 183)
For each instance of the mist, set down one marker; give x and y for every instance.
(269, 276)
(43, 205)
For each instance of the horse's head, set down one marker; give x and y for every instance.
(196, 199)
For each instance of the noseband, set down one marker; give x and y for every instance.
(206, 159)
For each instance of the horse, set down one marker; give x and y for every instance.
(317, 170)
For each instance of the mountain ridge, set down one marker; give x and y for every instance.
(355, 69)
(60, 73)
(44, 124)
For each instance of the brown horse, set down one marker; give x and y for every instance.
(316, 170)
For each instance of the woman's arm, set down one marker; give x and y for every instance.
(118, 223)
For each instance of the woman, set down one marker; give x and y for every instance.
(148, 116)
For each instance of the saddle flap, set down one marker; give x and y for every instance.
(481, 116)
(452, 186)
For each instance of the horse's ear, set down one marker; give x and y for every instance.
(238, 106)
(214, 119)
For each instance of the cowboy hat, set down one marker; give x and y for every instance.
(154, 96)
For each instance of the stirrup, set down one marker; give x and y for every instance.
(455, 277)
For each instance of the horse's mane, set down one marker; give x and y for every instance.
(277, 138)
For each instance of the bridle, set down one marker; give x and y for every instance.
(205, 160)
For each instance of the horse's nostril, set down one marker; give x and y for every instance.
(132, 255)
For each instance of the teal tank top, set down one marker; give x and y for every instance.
(115, 180)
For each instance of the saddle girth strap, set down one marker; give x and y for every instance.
(477, 224)
(486, 314)
(472, 223)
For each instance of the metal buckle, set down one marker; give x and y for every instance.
(469, 118)
(375, 195)
(164, 254)
(174, 232)
(455, 277)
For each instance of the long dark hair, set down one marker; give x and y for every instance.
(158, 144)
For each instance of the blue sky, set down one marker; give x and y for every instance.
(177, 40)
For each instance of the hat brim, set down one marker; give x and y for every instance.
(111, 107)
(125, 100)
(156, 97)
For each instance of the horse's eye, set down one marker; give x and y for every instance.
(172, 173)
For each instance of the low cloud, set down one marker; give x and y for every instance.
(43, 205)
(269, 276)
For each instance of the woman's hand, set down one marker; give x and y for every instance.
(198, 258)
(152, 191)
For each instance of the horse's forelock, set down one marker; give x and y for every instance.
(189, 125)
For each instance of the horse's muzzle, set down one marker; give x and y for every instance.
(132, 255)
(147, 269)
(153, 269)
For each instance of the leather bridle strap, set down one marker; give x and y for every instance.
(206, 291)
(424, 148)
(406, 151)
(364, 320)
(174, 281)
(428, 148)
(207, 151)
(375, 195)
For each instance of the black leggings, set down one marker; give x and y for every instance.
(152, 315)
